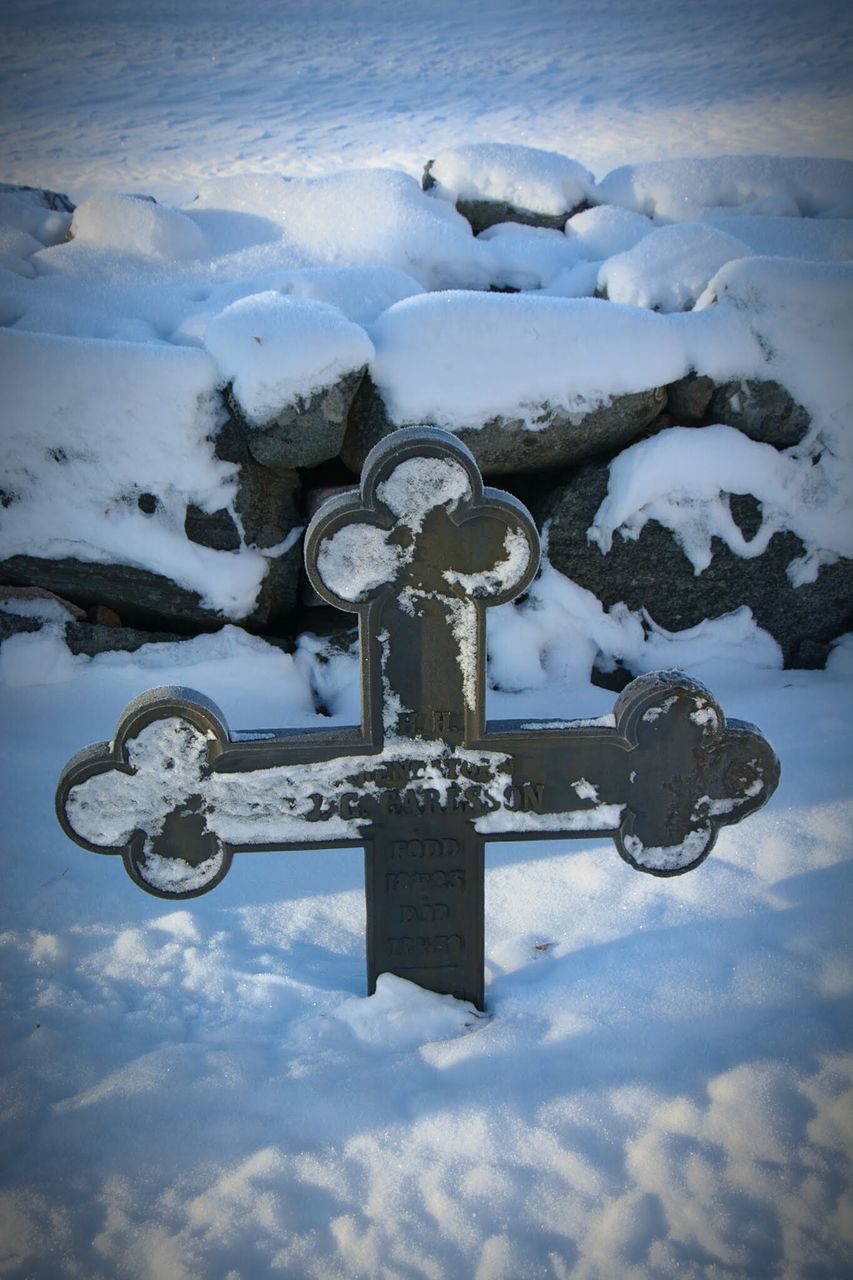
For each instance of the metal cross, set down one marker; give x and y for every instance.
(423, 783)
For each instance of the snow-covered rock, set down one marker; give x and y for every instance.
(492, 182)
(760, 408)
(102, 459)
(292, 366)
(604, 230)
(694, 523)
(713, 553)
(792, 323)
(527, 382)
(277, 292)
(510, 445)
(821, 239)
(692, 189)
(677, 477)
(136, 225)
(367, 217)
(525, 257)
(669, 269)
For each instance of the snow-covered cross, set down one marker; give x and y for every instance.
(423, 783)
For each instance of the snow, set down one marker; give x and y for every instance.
(459, 359)
(154, 101)
(166, 760)
(734, 638)
(526, 257)
(462, 616)
(525, 177)
(606, 229)
(18, 244)
(357, 559)
(790, 321)
(662, 1087)
(558, 632)
(361, 293)
(401, 1016)
(669, 858)
(42, 658)
(275, 350)
(668, 269)
(25, 211)
(113, 421)
(680, 478)
(602, 817)
(366, 217)
(174, 875)
(809, 239)
(419, 485)
(45, 607)
(136, 226)
(505, 575)
(692, 189)
(619, 1123)
(840, 660)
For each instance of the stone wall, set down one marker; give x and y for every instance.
(555, 457)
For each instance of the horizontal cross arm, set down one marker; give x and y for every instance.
(664, 774)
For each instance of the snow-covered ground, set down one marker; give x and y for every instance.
(663, 1087)
(158, 96)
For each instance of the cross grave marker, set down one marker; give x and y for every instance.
(423, 783)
